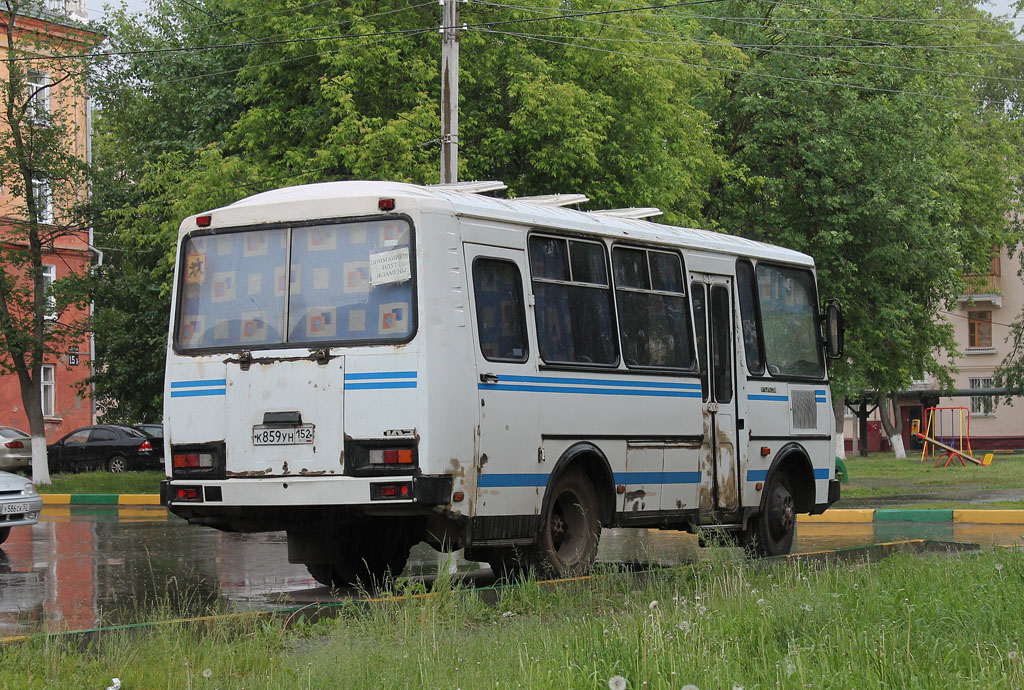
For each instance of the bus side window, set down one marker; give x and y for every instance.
(575, 322)
(747, 288)
(500, 315)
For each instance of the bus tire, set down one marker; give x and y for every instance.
(570, 528)
(771, 532)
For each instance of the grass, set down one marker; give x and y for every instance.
(883, 476)
(907, 621)
(147, 482)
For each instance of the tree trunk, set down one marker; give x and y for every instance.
(30, 398)
(839, 412)
(894, 432)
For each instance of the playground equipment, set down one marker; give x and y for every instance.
(949, 429)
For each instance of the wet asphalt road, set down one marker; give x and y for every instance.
(85, 566)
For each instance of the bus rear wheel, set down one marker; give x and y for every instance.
(567, 544)
(771, 532)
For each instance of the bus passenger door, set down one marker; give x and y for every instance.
(510, 474)
(713, 325)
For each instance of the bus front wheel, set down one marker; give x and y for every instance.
(771, 532)
(567, 544)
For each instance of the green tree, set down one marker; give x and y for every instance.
(42, 169)
(888, 161)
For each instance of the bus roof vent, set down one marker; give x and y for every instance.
(634, 213)
(555, 199)
(474, 187)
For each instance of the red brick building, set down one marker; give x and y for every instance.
(64, 407)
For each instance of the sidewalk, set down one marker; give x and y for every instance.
(835, 515)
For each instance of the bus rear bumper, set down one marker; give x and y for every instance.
(189, 495)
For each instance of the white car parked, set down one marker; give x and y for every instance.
(15, 449)
(20, 503)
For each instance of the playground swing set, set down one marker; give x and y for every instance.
(947, 429)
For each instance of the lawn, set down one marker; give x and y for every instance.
(907, 621)
(102, 482)
(881, 480)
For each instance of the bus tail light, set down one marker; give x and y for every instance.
(192, 461)
(187, 493)
(391, 456)
(391, 492)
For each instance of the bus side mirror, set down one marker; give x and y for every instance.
(835, 329)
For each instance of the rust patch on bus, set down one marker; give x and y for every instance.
(306, 473)
(250, 475)
(728, 491)
(284, 467)
(635, 495)
(706, 465)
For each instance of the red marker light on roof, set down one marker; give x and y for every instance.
(386, 204)
(204, 221)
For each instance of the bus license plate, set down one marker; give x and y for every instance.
(14, 508)
(282, 436)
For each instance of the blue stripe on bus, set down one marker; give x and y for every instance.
(381, 375)
(205, 391)
(589, 391)
(761, 475)
(774, 398)
(199, 384)
(379, 385)
(657, 477)
(491, 481)
(602, 382)
(820, 392)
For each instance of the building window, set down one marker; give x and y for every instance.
(982, 404)
(47, 389)
(38, 95)
(43, 199)
(49, 276)
(979, 329)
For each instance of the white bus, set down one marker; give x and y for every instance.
(368, 365)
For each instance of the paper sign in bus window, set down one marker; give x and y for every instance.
(357, 321)
(357, 276)
(192, 330)
(394, 318)
(254, 327)
(321, 278)
(390, 267)
(321, 239)
(320, 323)
(195, 268)
(224, 286)
(256, 244)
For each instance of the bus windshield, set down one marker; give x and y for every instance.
(346, 283)
(789, 314)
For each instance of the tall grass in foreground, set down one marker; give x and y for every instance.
(905, 622)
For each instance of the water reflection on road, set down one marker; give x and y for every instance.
(87, 566)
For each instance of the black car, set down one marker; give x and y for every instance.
(115, 448)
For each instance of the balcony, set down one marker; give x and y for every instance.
(984, 289)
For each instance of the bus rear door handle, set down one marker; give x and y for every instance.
(488, 378)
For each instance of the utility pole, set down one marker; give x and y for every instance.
(449, 91)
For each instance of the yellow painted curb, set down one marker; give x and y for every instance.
(56, 499)
(990, 517)
(138, 500)
(841, 515)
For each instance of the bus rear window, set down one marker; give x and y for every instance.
(346, 283)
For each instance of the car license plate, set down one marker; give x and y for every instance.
(14, 508)
(282, 436)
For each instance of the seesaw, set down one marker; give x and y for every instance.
(984, 462)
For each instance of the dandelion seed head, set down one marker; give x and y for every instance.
(790, 669)
(207, 672)
(684, 626)
(653, 605)
(616, 683)
(737, 686)
(1011, 655)
(999, 566)
(805, 607)
(761, 602)
(690, 686)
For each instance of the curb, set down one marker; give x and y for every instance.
(862, 515)
(101, 499)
